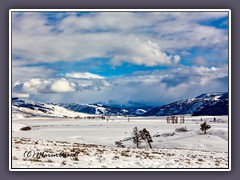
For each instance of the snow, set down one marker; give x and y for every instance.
(61, 111)
(216, 98)
(194, 105)
(95, 140)
(96, 156)
(140, 111)
(58, 111)
(17, 126)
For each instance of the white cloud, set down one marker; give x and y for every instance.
(20, 95)
(166, 86)
(129, 21)
(152, 87)
(177, 58)
(103, 21)
(21, 73)
(138, 38)
(30, 24)
(62, 85)
(34, 86)
(148, 39)
(140, 53)
(83, 75)
(58, 85)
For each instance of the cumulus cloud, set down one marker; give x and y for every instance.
(145, 39)
(83, 75)
(62, 85)
(31, 24)
(129, 21)
(138, 38)
(166, 86)
(141, 53)
(36, 85)
(58, 85)
(154, 87)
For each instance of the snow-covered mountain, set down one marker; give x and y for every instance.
(102, 109)
(27, 109)
(97, 109)
(132, 108)
(127, 105)
(24, 108)
(205, 104)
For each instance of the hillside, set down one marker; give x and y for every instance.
(205, 104)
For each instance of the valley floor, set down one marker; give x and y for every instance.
(91, 143)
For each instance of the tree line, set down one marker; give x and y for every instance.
(175, 119)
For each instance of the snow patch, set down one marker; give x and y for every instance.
(17, 126)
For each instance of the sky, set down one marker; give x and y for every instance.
(152, 58)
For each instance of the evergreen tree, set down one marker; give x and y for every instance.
(142, 135)
(146, 136)
(204, 127)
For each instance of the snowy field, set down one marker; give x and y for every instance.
(94, 142)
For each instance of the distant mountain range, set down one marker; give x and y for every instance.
(127, 105)
(108, 110)
(205, 104)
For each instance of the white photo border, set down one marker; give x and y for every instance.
(119, 10)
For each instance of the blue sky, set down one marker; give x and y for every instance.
(147, 57)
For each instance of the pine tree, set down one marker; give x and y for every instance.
(146, 136)
(142, 135)
(204, 127)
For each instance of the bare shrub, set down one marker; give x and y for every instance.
(182, 129)
(27, 128)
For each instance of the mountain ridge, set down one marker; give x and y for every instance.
(101, 109)
(205, 104)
